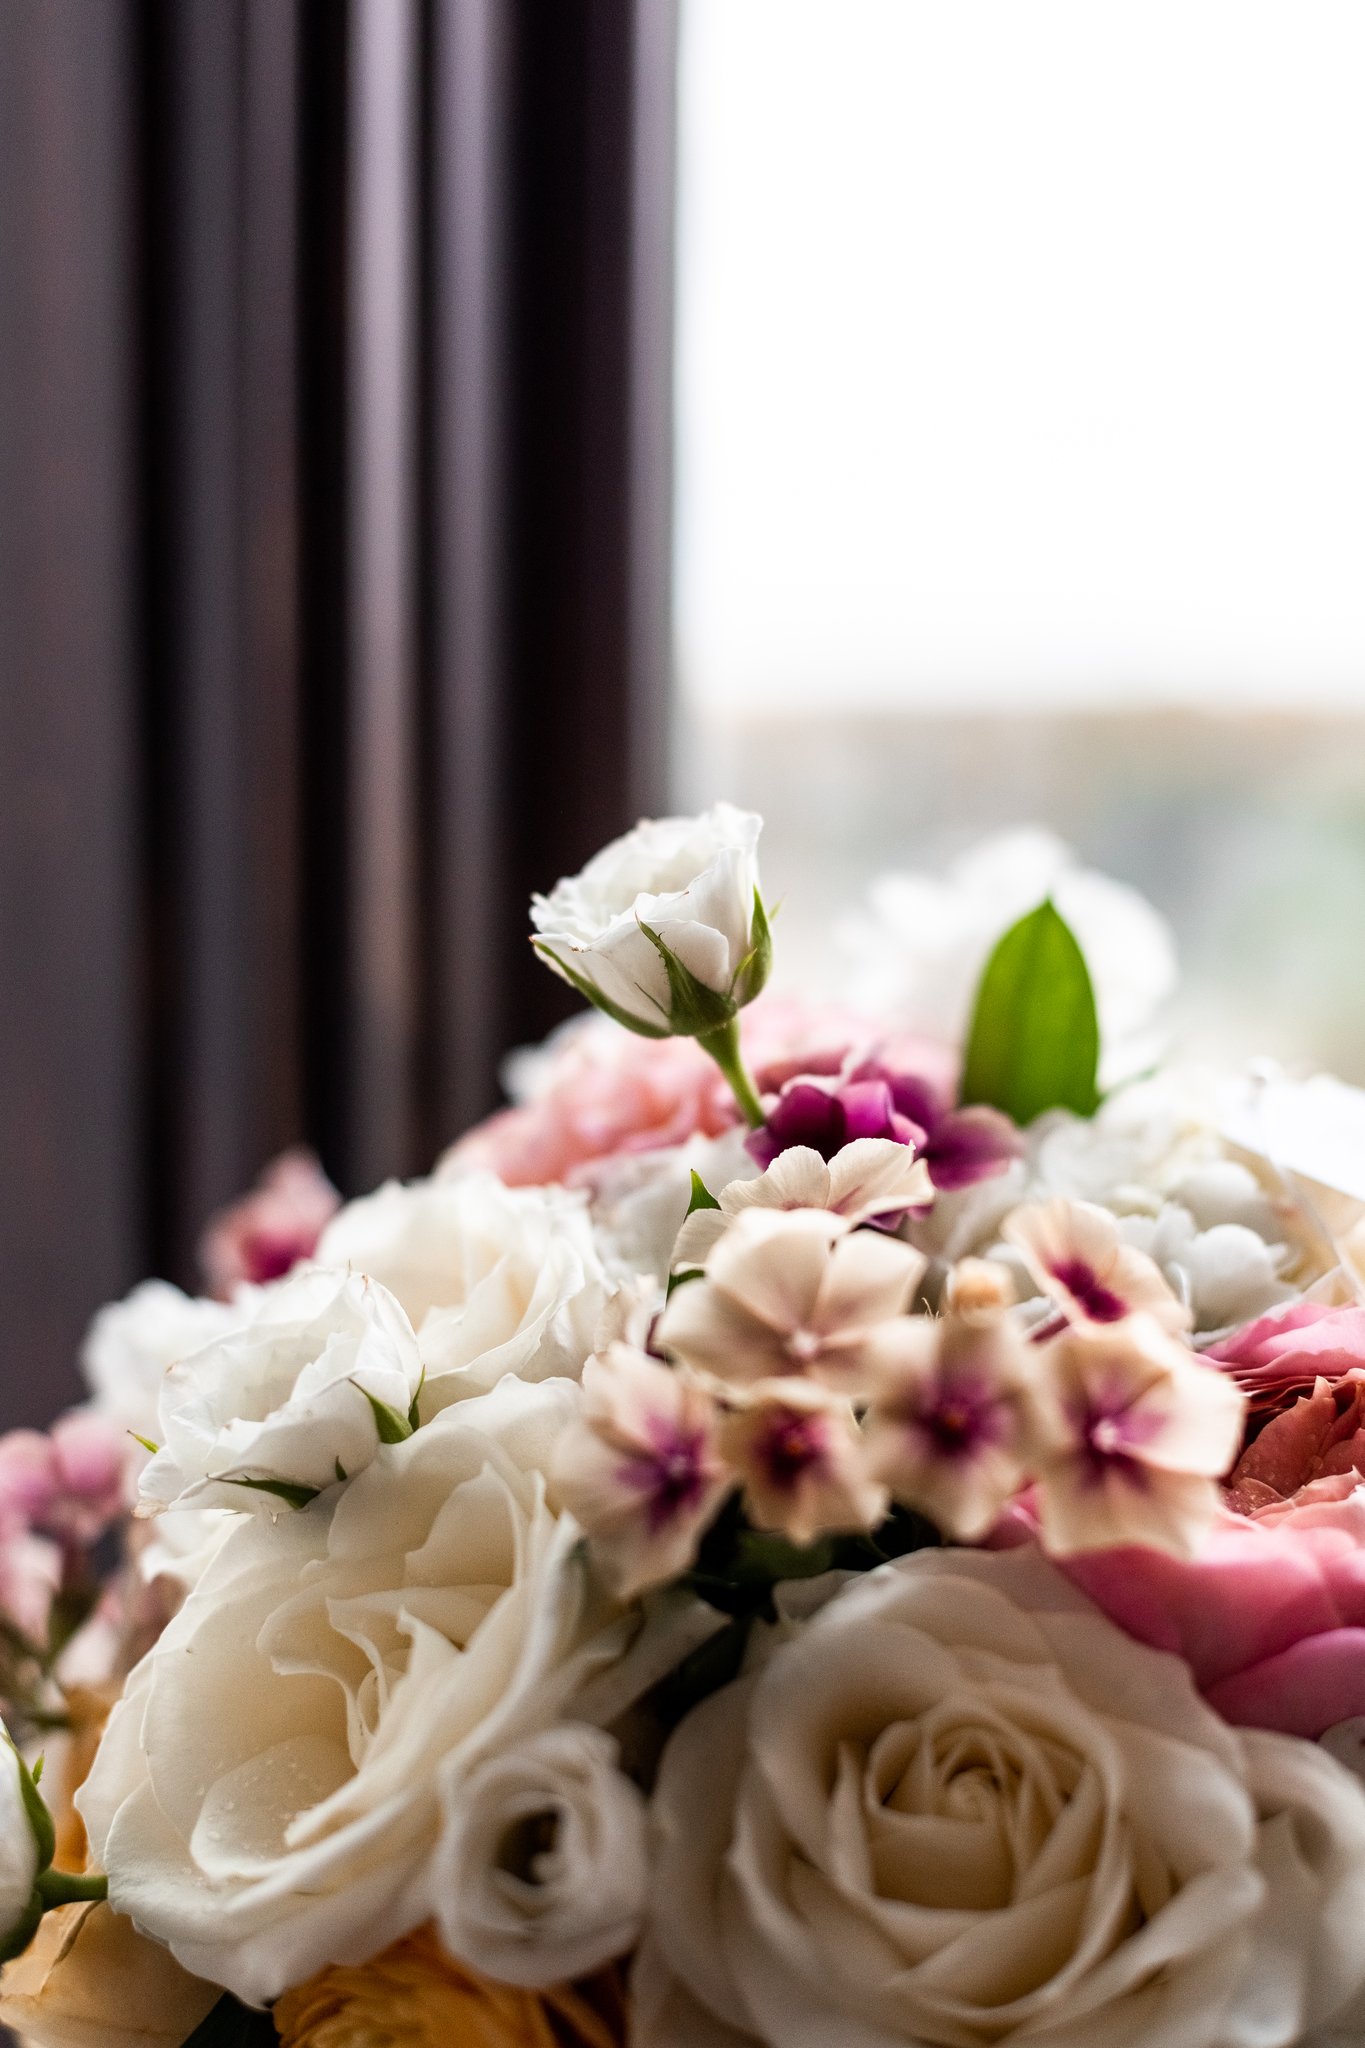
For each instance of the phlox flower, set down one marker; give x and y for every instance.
(873, 1179)
(1074, 1252)
(798, 1452)
(641, 1471)
(790, 1293)
(946, 1429)
(1129, 1432)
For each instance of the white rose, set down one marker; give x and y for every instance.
(961, 1807)
(541, 1870)
(283, 1405)
(691, 884)
(268, 1795)
(130, 1344)
(495, 1279)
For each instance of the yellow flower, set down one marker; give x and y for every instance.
(416, 1996)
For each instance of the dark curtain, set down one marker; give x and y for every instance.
(334, 393)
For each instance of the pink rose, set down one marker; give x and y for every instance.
(265, 1234)
(1285, 1353)
(1270, 1615)
(603, 1092)
(1322, 1435)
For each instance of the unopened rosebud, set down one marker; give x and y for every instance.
(28, 1883)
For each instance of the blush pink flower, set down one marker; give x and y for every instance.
(946, 1429)
(641, 1471)
(1321, 1436)
(1129, 1432)
(1284, 1354)
(797, 1452)
(30, 1578)
(1074, 1252)
(1269, 1614)
(790, 1294)
(265, 1234)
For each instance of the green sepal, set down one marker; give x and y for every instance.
(1034, 1042)
(594, 995)
(415, 1406)
(694, 1009)
(341, 1472)
(35, 1807)
(145, 1442)
(283, 1489)
(21, 1934)
(393, 1427)
(757, 963)
(701, 1196)
(681, 1278)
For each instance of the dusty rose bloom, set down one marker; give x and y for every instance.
(641, 1471)
(1130, 1431)
(790, 1293)
(798, 1452)
(1321, 1436)
(1075, 1254)
(1283, 1355)
(265, 1234)
(946, 1429)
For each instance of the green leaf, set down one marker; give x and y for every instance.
(701, 1196)
(1034, 1042)
(596, 998)
(694, 1009)
(393, 1428)
(681, 1278)
(35, 1806)
(233, 2025)
(283, 1489)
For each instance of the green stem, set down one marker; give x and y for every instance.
(723, 1046)
(69, 1887)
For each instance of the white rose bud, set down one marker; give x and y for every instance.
(541, 1871)
(665, 928)
(320, 1370)
(28, 1884)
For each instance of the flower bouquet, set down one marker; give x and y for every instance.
(816, 1526)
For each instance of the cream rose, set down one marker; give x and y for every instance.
(541, 1871)
(288, 1402)
(959, 1807)
(662, 928)
(495, 1279)
(267, 1797)
(130, 1344)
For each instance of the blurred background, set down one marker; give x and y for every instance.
(434, 432)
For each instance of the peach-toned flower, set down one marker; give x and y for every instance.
(946, 1429)
(798, 1452)
(640, 1471)
(417, 1996)
(1130, 1431)
(790, 1292)
(1322, 1435)
(1075, 1253)
(90, 1980)
(871, 1178)
(265, 1234)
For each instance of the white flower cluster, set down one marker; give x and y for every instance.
(687, 1563)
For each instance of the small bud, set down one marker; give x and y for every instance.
(978, 1287)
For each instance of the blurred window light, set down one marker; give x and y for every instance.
(1020, 355)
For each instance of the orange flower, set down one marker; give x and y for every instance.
(416, 1996)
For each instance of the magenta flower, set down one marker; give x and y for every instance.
(265, 1234)
(959, 1146)
(824, 1116)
